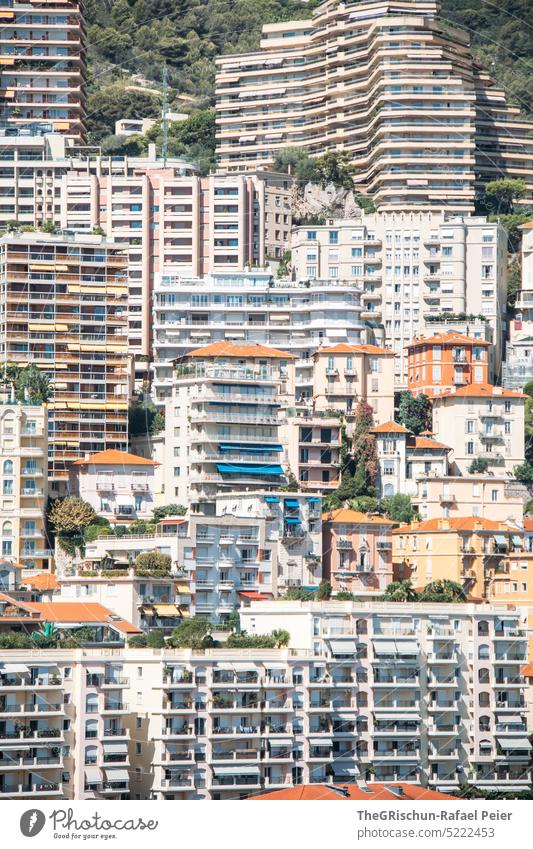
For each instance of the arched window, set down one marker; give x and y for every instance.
(91, 728)
(91, 703)
(91, 754)
(483, 652)
(363, 557)
(485, 747)
(483, 628)
(388, 490)
(484, 723)
(8, 467)
(361, 626)
(484, 700)
(483, 675)
(8, 424)
(7, 529)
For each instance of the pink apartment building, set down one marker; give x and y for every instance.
(357, 551)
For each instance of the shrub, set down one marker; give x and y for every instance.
(478, 466)
(152, 561)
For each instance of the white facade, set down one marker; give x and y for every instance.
(252, 307)
(414, 267)
(426, 694)
(118, 485)
(518, 366)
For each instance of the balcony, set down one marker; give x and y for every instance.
(344, 544)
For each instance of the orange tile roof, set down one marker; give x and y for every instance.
(527, 226)
(343, 515)
(447, 339)
(480, 390)
(352, 792)
(527, 670)
(252, 595)
(111, 456)
(425, 442)
(343, 348)
(528, 524)
(41, 581)
(80, 612)
(390, 427)
(468, 523)
(228, 349)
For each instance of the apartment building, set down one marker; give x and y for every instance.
(24, 467)
(313, 445)
(483, 422)
(404, 457)
(167, 219)
(222, 422)
(415, 268)
(388, 82)
(44, 68)
(494, 497)
(438, 363)
(465, 550)
(117, 484)
(63, 309)
(293, 522)
(357, 551)
(425, 696)
(518, 365)
(344, 375)
(251, 307)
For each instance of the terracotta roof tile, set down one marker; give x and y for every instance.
(468, 523)
(352, 792)
(424, 442)
(41, 581)
(343, 348)
(479, 390)
(390, 427)
(111, 457)
(447, 339)
(81, 612)
(228, 349)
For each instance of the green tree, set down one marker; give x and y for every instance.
(524, 473)
(442, 591)
(400, 591)
(399, 508)
(70, 514)
(169, 510)
(514, 282)
(500, 195)
(479, 465)
(152, 561)
(155, 639)
(190, 633)
(282, 638)
(32, 385)
(528, 422)
(108, 104)
(414, 411)
(324, 591)
(364, 504)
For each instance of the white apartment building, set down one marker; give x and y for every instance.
(222, 422)
(293, 524)
(494, 497)
(415, 268)
(117, 484)
(518, 365)
(427, 694)
(404, 457)
(24, 487)
(253, 307)
(390, 83)
(484, 422)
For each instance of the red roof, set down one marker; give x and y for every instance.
(343, 515)
(352, 792)
(390, 427)
(255, 596)
(113, 457)
(447, 339)
(79, 612)
(228, 349)
(468, 523)
(480, 390)
(528, 525)
(424, 442)
(343, 348)
(41, 581)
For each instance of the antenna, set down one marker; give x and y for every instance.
(164, 116)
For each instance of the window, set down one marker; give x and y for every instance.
(469, 448)
(494, 494)
(334, 237)
(8, 467)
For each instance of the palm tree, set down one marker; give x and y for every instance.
(400, 591)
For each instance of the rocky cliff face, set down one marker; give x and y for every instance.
(313, 202)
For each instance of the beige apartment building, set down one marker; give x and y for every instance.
(424, 695)
(24, 468)
(415, 269)
(484, 422)
(344, 375)
(63, 309)
(387, 82)
(495, 497)
(43, 65)
(169, 221)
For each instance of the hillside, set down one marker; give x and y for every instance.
(136, 37)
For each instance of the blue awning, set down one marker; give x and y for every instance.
(249, 449)
(271, 499)
(291, 502)
(293, 521)
(313, 500)
(242, 468)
